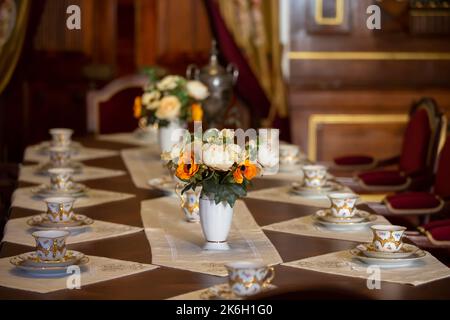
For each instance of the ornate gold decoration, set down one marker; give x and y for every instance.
(317, 119)
(247, 284)
(391, 239)
(367, 55)
(333, 21)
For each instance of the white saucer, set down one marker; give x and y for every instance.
(41, 221)
(165, 184)
(44, 147)
(223, 292)
(407, 250)
(411, 260)
(342, 226)
(327, 216)
(43, 169)
(330, 186)
(77, 190)
(29, 262)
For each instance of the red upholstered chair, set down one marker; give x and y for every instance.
(425, 203)
(416, 162)
(110, 109)
(359, 162)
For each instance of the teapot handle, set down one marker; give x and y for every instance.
(234, 71)
(192, 72)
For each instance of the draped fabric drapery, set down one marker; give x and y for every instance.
(254, 25)
(11, 50)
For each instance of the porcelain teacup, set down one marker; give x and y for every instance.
(59, 156)
(59, 209)
(315, 176)
(248, 278)
(61, 178)
(61, 137)
(343, 204)
(387, 238)
(50, 244)
(289, 154)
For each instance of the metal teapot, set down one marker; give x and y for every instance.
(220, 82)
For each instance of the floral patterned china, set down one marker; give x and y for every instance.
(412, 260)
(77, 190)
(329, 186)
(29, 263)
(223, 292)
(324, 218)
(248, 278)
(406, 251)
(50, 244)
(358, 217)
(387, 238)
(41, 222)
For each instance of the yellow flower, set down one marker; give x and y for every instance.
(247, 170)
(185, 171)
(169, 108)
(137, 107)
(197, 112)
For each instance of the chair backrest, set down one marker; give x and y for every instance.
(421, 138)
(110, 109)
(442, 180)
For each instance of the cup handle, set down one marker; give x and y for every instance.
(269, 276)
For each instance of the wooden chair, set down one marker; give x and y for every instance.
(416, 163)
(110, 109)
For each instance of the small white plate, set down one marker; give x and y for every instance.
(77, 190)
(223, 292)
(28, 262)
(407, 250)
(326, 215)
(166, 184)
(41, 221)
(389, 263)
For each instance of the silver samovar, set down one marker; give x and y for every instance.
(220, 82)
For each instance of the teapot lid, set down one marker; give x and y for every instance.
(213, 68)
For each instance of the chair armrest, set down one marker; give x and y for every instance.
(388, 161)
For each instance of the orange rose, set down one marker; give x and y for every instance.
(137, 107)
(185, 171)
(197, 112)
(247, 170)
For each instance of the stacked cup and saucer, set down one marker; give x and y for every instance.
(51, 257)
(387, 249)
(315, 183)
(60, 157)
(61, 185)
(60, 216)
(61, 137)
(291, 158)
(343, 213)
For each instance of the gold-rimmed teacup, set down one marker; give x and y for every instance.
(59, 209)
(61, 179)
(387, 238)
(343, 204)
(315, 176)
(51, 244)
(248, 278)
(61, 137)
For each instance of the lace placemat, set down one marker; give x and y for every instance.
(179, 244)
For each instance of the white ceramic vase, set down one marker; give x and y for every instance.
(215, 220)
(169, 135)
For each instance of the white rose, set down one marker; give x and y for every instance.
(221, 157)
(197, 90)
(267, 156)
(149, 97)
(153, 105)
(168, 83)
(169, 108)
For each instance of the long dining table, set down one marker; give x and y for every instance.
(165, 282)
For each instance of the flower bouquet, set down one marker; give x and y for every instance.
(170, 104)
(223, 170)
